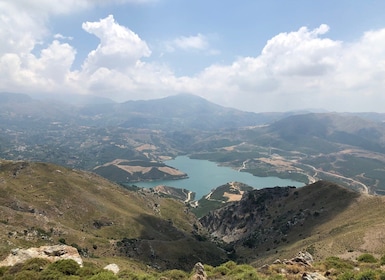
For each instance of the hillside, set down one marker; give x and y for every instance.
(183, 111)
(48, 204)
(323, 219)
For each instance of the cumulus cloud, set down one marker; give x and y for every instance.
(301, 53)
(119, 47)
(300, 69)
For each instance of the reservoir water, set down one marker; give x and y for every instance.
(205, 175)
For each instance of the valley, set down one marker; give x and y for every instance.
(304, 147)
(68, 175)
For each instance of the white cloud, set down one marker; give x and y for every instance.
(301, 53)
(299, 69)
(62, 37)
(197, 42)
(119, 47)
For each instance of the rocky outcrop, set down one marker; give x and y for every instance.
(267, 219)
(199, 272)
(51, 253)
(249, 219)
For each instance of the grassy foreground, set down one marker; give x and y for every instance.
(366, 267)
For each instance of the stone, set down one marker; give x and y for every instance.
(199, 272)
(313, 276)
(112, 267)
(51, 253)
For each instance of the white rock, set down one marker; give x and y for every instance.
(112, 267)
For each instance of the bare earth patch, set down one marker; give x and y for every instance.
(233, 196)
(146, 147)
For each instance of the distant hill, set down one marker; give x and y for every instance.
(338, 128)
(183, 111)
(6, 97)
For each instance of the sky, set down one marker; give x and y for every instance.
(253, 55)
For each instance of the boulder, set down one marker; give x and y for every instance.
(199, 272)
(51, 253)
(112, 267)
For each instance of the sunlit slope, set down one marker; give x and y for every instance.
(46, 204)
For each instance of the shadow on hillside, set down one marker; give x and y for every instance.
(267, 220)
(164, 246)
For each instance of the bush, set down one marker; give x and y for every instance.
(337, 263)
(131, 275)
(67, 267)
(244, 271)
(49, 274)
(27, 275)
(366, 275)
(220, 271)
(346, 276)
(104, 275)
(247, 275)
(35, 264)
(175, 274)
(382, 260)
(230, 265)
(88, 269)
(367, 258)
(3, 270)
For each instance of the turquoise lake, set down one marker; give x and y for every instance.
(205, 175)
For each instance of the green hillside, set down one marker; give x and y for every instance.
(48, 204)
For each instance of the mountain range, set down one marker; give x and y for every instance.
(345, 148)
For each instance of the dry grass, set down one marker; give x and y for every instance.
(41, 204)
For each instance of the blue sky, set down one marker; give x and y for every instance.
(251, 55)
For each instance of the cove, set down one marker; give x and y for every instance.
(205, 175)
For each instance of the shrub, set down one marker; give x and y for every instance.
(175, 274)
(349, 275)
(3, 270)
(35, 264)
(244, 271)
(220, 270)
(49, 274)
(15, 268)
(67, 267)
(247, 275)
(104, 275)
(382, 276)
(27, 275)
(131, 275)
(367, 258)
(337, 263)
(382, 260)
(88, 269)
(366, 275)
(230, 265)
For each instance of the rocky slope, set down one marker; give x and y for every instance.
(323, 218)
